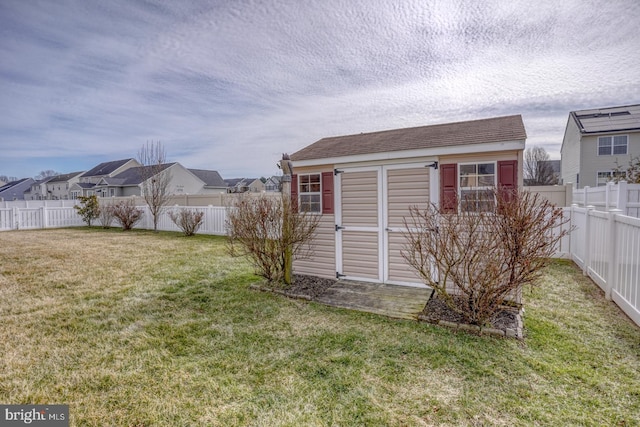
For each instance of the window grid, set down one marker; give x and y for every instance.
(612, 145)
(309, 193)
(476, 181)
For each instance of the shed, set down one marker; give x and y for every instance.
(363, 185)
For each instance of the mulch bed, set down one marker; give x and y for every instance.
(435, 310)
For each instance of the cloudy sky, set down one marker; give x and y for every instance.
(230, 85)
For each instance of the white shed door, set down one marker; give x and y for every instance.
(370, 207)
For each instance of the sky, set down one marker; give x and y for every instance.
(231, 85)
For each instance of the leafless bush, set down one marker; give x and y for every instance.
(106, 216)
(126, 214)
(476, 260)
(268, 230)
(188, 220)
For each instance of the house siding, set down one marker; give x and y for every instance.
(591, 163)
(570, 154)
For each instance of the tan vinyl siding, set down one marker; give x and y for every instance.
(406, 188)
(360, 254)
(323, 261)
(399, 270)
(360, 199)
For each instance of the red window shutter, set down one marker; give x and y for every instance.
(294, 192)
(508, 177)
(449, 188)
(327, 192)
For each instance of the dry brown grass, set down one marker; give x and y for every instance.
(144, 328)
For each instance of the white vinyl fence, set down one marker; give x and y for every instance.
(56, 217)
(606, 246)
(623, 196)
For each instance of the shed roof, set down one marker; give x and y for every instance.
(498, 129)
(610, 119)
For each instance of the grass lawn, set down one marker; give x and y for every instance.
(156, 329)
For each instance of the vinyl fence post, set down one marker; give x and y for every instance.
(43, 212)
(14, 218)
(612, 269)
(585, 191)
(587, 240)
(621, 203)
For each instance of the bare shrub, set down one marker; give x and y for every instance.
(268, 230)
(188, 220)
(155, 179)
(106, 216)
(127, 214)
(477, 260)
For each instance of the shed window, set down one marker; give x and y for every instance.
(612, 145)
(477, 181)
(310, 194)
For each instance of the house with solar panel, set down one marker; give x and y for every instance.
(363, 185)
(595, 141)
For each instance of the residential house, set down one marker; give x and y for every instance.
(130, 181)
(363, 185)
(213, 182)
(597, 140)
(243, 185)
(37, 190)
(57, 188)
(15, 190)
(88, 180)
(273, 184)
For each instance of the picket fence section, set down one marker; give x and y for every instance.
(56, 217)
(623, 196)
(605, 245)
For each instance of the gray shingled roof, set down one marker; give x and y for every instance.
(105, 168)
(64, 177)
(498, 129)
(610, 119)
(132, 176)
(210, 178)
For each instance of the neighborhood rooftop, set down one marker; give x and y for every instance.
(105, 168)
(611, 119)
(499, 129)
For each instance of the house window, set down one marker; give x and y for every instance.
(605, 177)
(310, 193)
(612, 145)
(477, 181)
